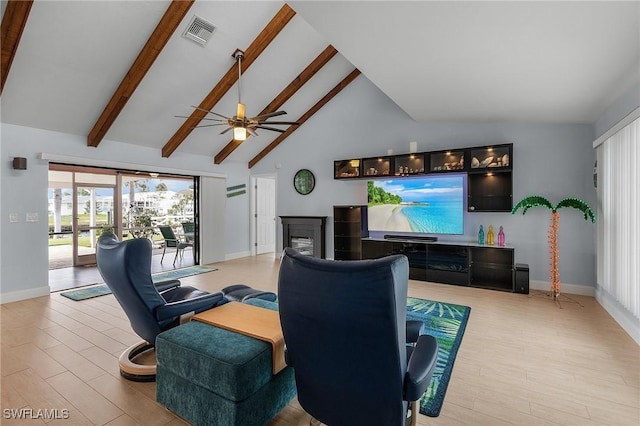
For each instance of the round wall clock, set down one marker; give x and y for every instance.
(304, 181)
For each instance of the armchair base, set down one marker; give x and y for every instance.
(131, 370)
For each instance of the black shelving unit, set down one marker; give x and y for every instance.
(447, 161)
(489, 192)
(462, 264)
(349, 227)
(347, 169)
(448, 264)
(492, 268)
(410, 164)
(489, 179)
(489, 172)
(377, 166)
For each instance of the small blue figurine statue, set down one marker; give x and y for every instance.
(481, 236)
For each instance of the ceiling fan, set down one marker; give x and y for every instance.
(241, 124)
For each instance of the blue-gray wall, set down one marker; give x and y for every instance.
(552, 160)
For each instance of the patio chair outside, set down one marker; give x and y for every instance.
(170, 240)
(189, 229)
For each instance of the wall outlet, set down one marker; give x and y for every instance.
(13, 218)
(32, 217)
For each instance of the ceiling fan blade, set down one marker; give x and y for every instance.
(271, 114)
(209, 125)
(210, 112)
(226, 130)
(270, 128)
(240, 111)
(211, 119)
(289, 123)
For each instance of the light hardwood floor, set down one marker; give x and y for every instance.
(524, 359)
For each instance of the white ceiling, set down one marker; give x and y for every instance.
(538, 61)
(439, 61)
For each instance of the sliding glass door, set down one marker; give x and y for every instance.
(86, 201)
(94, 212)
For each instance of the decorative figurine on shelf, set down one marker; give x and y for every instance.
(552, 235)
(490, 236)
(481, 235)
(501, 241)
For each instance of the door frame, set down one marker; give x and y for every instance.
(254, 209)
(88, 259)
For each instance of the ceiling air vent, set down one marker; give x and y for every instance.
(199, 30)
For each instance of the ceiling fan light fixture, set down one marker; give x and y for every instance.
(244, 126)
(239, 133)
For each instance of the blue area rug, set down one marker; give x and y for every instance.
(181, 273)
(446, 322)
(101, 290)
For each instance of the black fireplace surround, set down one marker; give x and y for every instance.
(305, 234)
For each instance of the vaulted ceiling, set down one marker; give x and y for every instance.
(122, 70)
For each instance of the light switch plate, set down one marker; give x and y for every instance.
(13, 218)
(32, 217)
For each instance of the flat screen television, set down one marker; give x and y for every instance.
(431, 204)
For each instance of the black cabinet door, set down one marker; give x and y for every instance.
(490, 192)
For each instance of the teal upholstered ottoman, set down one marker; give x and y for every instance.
(211, 376)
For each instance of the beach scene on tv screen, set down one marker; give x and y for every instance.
(429, 205)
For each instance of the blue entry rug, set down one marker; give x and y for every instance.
(101, 290)
(446, 322)
(87, 292)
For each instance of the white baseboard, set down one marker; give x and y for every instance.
(624, 318)
(231, 256)
(580, 290)
(16, 296)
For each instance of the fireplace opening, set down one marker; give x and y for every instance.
(303, 245)
(305, 234)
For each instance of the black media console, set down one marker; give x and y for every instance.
(465, 264)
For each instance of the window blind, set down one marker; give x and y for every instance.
(618, 218)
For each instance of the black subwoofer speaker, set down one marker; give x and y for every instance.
(522, 278)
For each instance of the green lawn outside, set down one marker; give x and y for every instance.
(83, 241)
(101, 219)
(67, 241)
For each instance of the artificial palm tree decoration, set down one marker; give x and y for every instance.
(538, 201)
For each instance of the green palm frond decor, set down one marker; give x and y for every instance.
(538, 201)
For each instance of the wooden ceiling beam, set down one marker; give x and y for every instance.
(164, 30)
(13, 23)
(337, 89)
(311, 70)
(259, 44)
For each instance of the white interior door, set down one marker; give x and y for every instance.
(265, 215)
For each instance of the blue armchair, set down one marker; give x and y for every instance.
(126, 269)
(344, 326)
